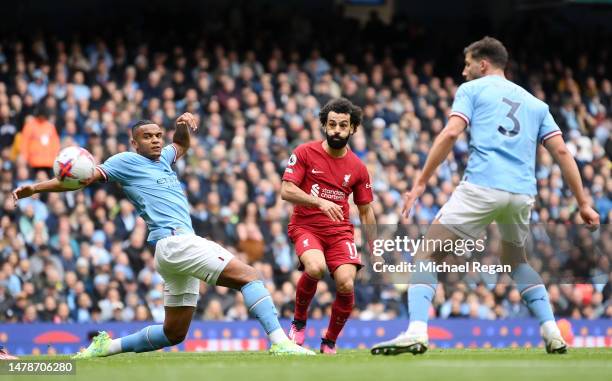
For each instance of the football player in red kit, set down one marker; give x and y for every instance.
(318, 180)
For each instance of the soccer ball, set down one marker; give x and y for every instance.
(73, 164)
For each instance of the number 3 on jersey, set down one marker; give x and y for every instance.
(511, 115)
(352, 250)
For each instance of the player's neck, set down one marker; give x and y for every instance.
(152, 158)
(498, 73)
(337, 153)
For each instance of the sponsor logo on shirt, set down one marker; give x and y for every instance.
(330, 194)
(169, 181)
(314, 190)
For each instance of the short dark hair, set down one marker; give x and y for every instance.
(489, 48)
(341, 106)
(42, 111)
(142, 122)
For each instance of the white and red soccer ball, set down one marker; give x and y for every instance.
(72, 165)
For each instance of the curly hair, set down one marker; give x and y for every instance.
(341, 106)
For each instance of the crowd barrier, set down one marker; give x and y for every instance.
(46, 338)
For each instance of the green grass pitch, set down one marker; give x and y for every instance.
(436, 364)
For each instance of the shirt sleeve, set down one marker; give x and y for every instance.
(169, 154)
(362, 190)
(296, 167)
(548, 128)
(463, 105)
(114, 168)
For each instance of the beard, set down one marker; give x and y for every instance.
(336, 142)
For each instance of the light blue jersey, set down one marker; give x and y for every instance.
(154, 189)
(506, 125)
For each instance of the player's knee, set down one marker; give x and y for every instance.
(248, 274)
(175, 336)
(315, 270)
(345, 285)
(512, 254)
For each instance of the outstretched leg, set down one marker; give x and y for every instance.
(150, 338)
(421, 292)
(240, 276)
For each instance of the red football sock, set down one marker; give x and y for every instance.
(341, 310)
(305, 290)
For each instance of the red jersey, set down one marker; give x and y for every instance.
(317, 173)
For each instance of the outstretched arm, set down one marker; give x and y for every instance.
(557, 148)
(182, 139)
(53, 185)
(440, 149)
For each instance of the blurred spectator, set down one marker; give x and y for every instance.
(39, 140)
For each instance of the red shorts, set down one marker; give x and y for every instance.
(338, 248)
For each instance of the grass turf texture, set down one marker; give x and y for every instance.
(436, 364)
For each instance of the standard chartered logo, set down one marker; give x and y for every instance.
(329, 194)
(314, 190)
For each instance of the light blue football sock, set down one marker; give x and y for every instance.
(422, 289)
(259, 303)
(147, 339)
(419, 300)
(533, 292)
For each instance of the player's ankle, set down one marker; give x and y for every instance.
(417, 328)
(299, 324)
(328, 342)
(549, 329)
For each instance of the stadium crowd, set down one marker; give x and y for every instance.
(82, 256)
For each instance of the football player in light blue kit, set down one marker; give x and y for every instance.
(506, 126)
(181, 257)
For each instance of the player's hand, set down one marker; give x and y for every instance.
(590, 217)
(24, 191)
(411, 197)
(331, 210)
(187, 119)
(86, 182)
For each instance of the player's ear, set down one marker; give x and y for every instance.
(483, 65)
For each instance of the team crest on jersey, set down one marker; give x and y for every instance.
(305, 242)
(347, 177)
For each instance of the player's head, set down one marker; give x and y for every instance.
(147, 138)
(339, 119)
(42, 111)
(484, 56)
